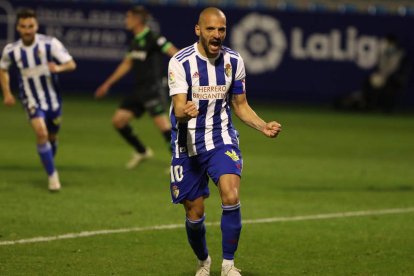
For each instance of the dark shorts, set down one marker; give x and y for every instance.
(189, 176)
(150, 99)
(52, 118)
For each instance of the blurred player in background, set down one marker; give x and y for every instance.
(145, 59)
(34, 55)
(383, 88)
(206, 81)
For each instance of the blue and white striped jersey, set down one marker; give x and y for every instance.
(37, 85)
(209, 83)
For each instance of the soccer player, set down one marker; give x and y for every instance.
(206, 81)
(145, 59)
(38, 59)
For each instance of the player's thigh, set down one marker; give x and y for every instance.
(226, 159)
(53, 121)
(229, 188)
(39, 127)
(122, 117)
(189, 180)
(162, 122)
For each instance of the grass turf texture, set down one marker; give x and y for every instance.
(323, 162)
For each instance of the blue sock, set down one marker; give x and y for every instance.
(196, 234)
(54, 145)
(46, 155)
(230, 230)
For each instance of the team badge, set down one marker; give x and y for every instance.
(32, 110)
(171, 76)
(171, 79)
(57, 121)
(175, 191)
(233, 155)
(227, 70)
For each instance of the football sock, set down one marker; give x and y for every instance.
(131, 138)
(230, 229)
(54, 145)
(227, 262)
(46, 155)
(196, 234)
(167, 137)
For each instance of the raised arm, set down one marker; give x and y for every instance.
(243, 110)
(8, 98)
(123, 68)
(184, 110)
(61, 68)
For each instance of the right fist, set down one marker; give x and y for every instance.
(191, 109)
(9, 100)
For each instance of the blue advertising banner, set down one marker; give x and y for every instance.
(289, 56)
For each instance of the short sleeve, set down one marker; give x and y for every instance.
(163, 44)
(176, 78)
(239, 86)
(59, 51)
(5, 61)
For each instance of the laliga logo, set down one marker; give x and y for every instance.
(6, 23)
(362, 50)
(260, 41)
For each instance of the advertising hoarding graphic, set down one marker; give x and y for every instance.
(7, 17)
(261, 42)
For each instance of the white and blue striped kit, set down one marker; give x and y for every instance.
(37, 85)
(209, 83)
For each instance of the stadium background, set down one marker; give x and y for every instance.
(295, 51)
(332, 195)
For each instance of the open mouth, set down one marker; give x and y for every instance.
(215, 45)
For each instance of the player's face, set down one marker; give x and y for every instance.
(212, 32)
(27, 28)
(131, 21)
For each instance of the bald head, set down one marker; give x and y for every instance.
(208, 12)
(211, 30)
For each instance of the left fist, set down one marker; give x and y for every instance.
(272, 129)
(53, 67)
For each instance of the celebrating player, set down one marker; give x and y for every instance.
(34, 55)
(206, 81)
(145, 59)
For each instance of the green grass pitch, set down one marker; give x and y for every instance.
(322, 163)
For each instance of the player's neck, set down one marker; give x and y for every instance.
(28, 43)
(139, 29)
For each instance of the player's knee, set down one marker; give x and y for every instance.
(52, 137)
(118, 122)
(42, 136)
(229, 194)
(195, 213)
(230, 199)
(194, 210)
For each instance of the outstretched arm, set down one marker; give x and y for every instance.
(171, 51)
(245, 113)
(8, 98)
(123, 68)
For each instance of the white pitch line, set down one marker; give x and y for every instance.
(176, 226)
